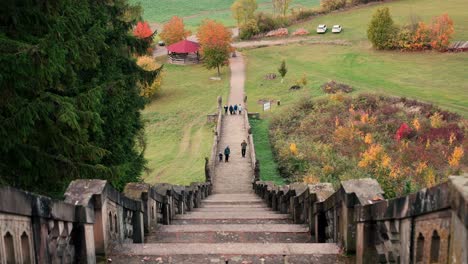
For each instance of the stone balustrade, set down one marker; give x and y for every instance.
(93, 218)
(430, 226)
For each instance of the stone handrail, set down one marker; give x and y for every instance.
(250, 140)
(430, 226)
(211, 163)
(93, 218)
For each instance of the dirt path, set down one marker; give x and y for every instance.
(234, 176)
(285, 41)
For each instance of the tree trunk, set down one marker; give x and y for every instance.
(219, 74)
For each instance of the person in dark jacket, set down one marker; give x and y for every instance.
(231, 109)
(235, 109)
(244, 148)
(227, 152)
(225, 109)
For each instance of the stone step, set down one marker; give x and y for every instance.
(236, 202)
(278, 228)
(233, 259)
(233, 196)
(233, 199)
(231, 233)
(233, 206)
(257, 249)
(233, 209)
(233, 215)
(230, 221)
(228, 237)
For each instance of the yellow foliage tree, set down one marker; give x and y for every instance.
(436, 120)
(293, 149)
(147, 63)
(457, 155)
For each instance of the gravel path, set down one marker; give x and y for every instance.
(234, 176)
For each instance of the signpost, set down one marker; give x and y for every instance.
(266, 106)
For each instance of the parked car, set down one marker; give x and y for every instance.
(161, 43)
(336, 29)
(322, 28)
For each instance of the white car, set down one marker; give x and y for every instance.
(322, 28)
(336, 29)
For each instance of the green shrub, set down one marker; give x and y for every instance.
(249, 29)
(267, 22)
(304, 14)
(382, 31)
(330, 5)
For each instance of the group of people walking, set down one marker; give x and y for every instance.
(227, 152)
(233, 109)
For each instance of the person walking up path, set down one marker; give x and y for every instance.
(236, 175)
(227, 152)
(244, 148)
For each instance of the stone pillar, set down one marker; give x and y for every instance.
(89, 247)
(138, 227)
(166, 211)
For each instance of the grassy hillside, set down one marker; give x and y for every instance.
(178, 136)
(434, 77)
(195, 11)
(355, 21)
(264, 152)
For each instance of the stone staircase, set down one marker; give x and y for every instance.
(230, 228)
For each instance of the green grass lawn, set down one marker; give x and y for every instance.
(178, 136)
(194, 12)
(355, 21)
(263, 151)
(435, 77)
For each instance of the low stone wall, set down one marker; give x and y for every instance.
(211, 164)
(250, 142)
(93, 219)
(37, 229)
(430, 226)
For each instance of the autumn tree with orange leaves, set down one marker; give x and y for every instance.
(144, 32)
(441, 32)
(174, 31)
(215, 42)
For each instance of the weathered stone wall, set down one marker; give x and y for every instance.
(429, 226)
(93, 218)
(36, 229)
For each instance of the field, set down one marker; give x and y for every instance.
(355, 21)
(434, 77)
(194, 12)
(178, 136)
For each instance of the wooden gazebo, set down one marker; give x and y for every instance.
(184, 51)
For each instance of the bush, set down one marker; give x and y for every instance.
(340, 138)
(147, 63)
(333, 87)
(330, 5)
(382, 31)
(267, 22)
(249, 29)
(421, 36)
(304, 14)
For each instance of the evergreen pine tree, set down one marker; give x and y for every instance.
(282, 70)
(69, 103)
(381, 31)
